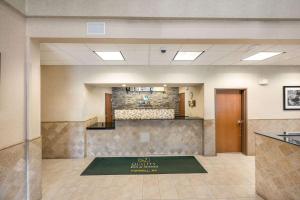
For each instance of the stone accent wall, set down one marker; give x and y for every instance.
(12, 173)
(147, 137)
(123, 100)
(145, 114)
(64, 139)
(209, 142)
(269, 125)
(277, 167)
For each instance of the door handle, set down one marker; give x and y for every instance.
(240, 122)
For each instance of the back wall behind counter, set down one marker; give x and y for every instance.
(67, 84)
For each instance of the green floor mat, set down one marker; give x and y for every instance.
(144, 165)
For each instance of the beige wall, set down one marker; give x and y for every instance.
(165, 29)
(94, 104)
(198, 96)
(33, 61)
(12, 48)
(166, 8)
(264, 102)
(65, 97)
(19, 5)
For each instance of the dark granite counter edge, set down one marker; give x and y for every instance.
(111, 126)
(279, 138)
(176, 118)
(102, 126)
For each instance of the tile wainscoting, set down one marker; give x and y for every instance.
(269, 125)
(67, 139)
(35, 168)
(147, 137)
(13, 172)
(209, 139)
(64, 139)
(277, 171)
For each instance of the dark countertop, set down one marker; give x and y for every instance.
(102, 125)
(294, 139)
(109, 126)
(176, 118)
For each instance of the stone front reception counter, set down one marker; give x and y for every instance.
(179, 136)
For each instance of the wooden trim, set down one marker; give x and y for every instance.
(165, 41)
(111, 108)
(245, 117)
(245, 124)
(11, 146)
(277, 119)
(31, 140)
(68, 121)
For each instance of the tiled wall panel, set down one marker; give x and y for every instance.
(35, 169)
(147, 137)
(209, 142)
(269, 125)
(277, 171)
(12, 173)
(64, 139)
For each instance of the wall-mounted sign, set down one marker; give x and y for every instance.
(145, 89)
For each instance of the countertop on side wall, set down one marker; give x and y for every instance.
(291, 138)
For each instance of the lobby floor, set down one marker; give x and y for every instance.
(229, 177)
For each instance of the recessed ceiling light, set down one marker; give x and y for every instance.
(124, 85)
(165, 85)
(110, 55)
(263, 55)
(187, 55)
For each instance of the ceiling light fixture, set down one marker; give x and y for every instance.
(110, 55)
(262, 55)
(165, 85)
(187, 55)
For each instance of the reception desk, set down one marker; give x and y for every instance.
(178, 136)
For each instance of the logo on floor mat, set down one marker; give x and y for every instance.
(143, 165)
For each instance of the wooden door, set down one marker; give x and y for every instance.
(108, 108)
(181, 104)
(229, 120)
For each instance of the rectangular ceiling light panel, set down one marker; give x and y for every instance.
(110, 56)
(186, 56)
(262, 55)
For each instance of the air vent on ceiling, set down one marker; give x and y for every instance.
(95, 28)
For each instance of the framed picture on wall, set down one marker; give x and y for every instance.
(291, 97)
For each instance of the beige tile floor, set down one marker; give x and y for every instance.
(229, 177)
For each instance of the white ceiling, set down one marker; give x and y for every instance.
(149, 54)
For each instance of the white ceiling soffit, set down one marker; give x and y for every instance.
(150, 54)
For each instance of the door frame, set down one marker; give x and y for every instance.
(180, 101)
(105, 94)
(244, 141)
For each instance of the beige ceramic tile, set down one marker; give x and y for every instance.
(226, 178)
